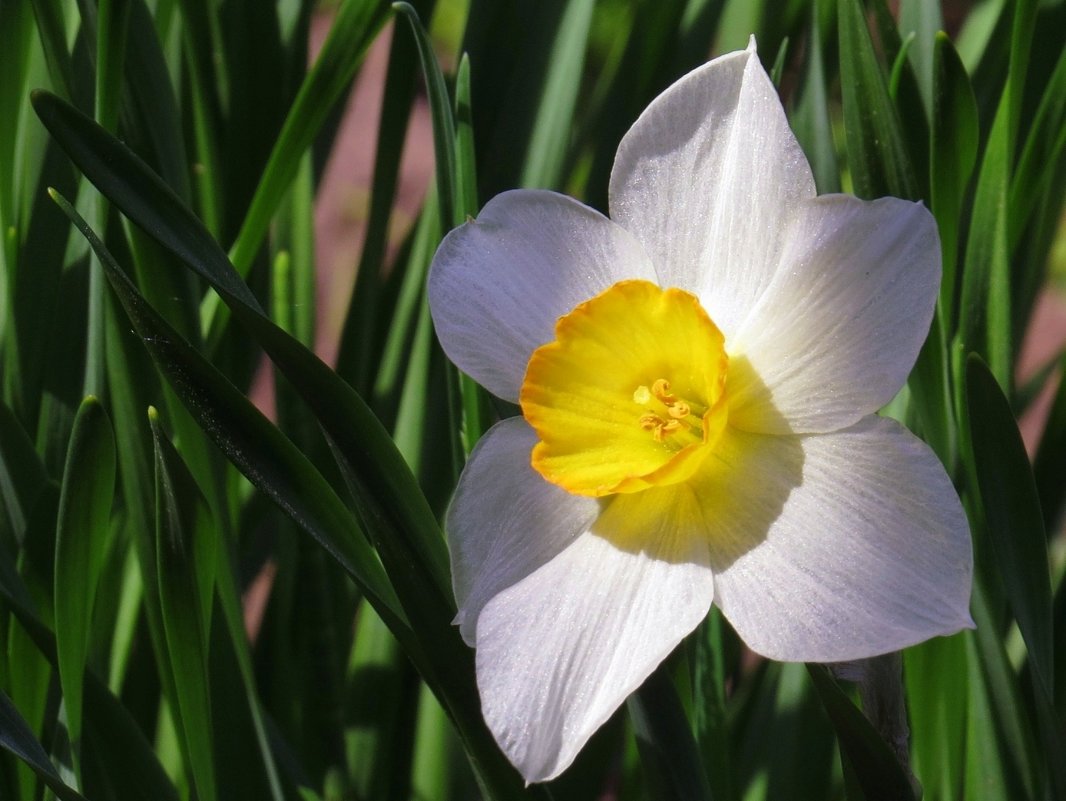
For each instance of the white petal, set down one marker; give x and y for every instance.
(505, 520)
(707, 178)
(836, 333)
(498, 284)
(558, 653)
(855, 545)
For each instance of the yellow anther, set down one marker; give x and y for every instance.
(661, 390)
(679, 410)
(658, 426)
(650, 422)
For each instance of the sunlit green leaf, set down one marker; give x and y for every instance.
(248, 438)
(877, 151)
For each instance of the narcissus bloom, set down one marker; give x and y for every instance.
(699, 377)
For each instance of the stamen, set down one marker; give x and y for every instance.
(651, 421)
(658, 426)
(661, 390)
(678, 410)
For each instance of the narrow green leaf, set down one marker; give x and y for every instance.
(360, 345)
(1049, 466)
(124, 179)
(525, 97)
(905, 94)
(986, 770)
(110, 32)
(433, 763)
(1012, 514)
(151, 205)
(253, 444)
(709, 719)
(295, 244)
(353, 29)
(953, 153)
(1037, 181)
(16, 37)
(977, 40)
(411, 413)
(1017, 761)
(877, 152)
(443, 124)
(544, 155)
(985, 304)
(924, 20)
(21, 475)
(51, 29)
(28, 679)
(875, 768)
(740, 18)
(465, 157)
(208, 85)
(783, 744)
(477, 414)
(668, 752)
(378, 739)
(113, 744)
(779, 63)
(931, 394)
(986, 323)
(936, 674)
(154, 117)
(17, 738)
(396, 512)
(185, 550)
(111, 27)
(810, 119)
(82, 534)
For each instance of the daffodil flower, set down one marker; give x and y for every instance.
(699, 377)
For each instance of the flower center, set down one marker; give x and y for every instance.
(659, 400)
(629, 395)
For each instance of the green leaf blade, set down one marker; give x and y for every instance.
(16, 737)
(82, 534)
(953, 155)
(877, 150)
(1012, 513)
(875, 767)
(185, 550)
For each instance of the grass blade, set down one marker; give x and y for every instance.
(17, 738)
(668, 751)
(875, 768)
(953, 153)
(443, 124)
(877, 151)
(21, 477)
(82, 535)
(185, 553)
(353, 29)
(262, 452)
(1012, 514)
